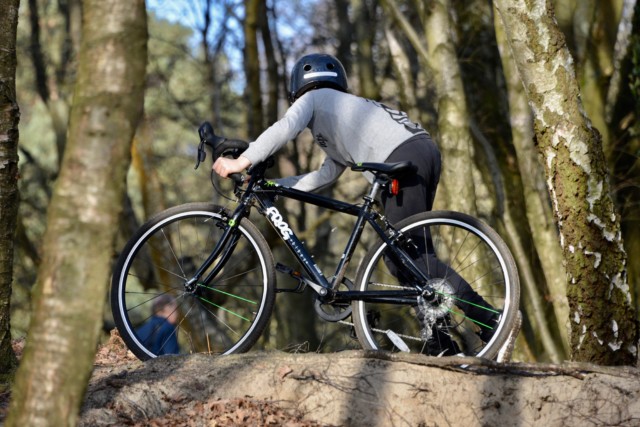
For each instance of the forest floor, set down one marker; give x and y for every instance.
(351, 388)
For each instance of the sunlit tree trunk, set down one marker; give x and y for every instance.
(537, 207)
(603, 323)
(9, 118)
(402, 69)
(455, 138)
(83, 216)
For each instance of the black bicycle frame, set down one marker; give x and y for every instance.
(264, 193)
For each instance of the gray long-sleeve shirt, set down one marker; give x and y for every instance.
(349, 129)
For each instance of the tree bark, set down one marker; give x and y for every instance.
(455, 138)
(83, 216)
(362, 23)
(603, 322)
(403, 73)
(453, 117)
(253, 93)
(9, 198)
(538, 209)
(50, 85)
(344, 33)
(273, 77)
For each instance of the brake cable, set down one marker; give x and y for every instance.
(216, 186)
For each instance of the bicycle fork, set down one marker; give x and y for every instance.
(223, 250)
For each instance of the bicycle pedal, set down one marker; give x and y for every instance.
(281, 268)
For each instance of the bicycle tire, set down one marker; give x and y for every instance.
(463, 249)
(227, 316)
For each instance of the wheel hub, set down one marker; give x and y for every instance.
(436, 307)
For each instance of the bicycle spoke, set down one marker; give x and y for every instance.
(157, 263)
(229, 294)
(472, 283)
(225, 309)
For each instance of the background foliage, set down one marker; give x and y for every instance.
(198, 70)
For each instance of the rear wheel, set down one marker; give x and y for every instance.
(155, 308)
(475, 284)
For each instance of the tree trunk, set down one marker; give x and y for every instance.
(603, 323)
(83, 216)
(403, 74)
(623, 114)
(362, 23)
(538, 209)
(344, 33)
(594, 62)
(273, 77)
(9, 118)
(50, 85)
(455, 139)
(253, 93)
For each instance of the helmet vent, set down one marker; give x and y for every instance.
(316, 71)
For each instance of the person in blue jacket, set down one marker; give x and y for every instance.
(159, 333)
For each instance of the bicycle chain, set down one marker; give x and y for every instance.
(385, 285)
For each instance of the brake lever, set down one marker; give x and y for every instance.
(202, 154)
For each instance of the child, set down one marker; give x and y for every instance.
(350, 130)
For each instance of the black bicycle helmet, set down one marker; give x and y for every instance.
(315, 71)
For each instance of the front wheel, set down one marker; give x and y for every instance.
(474, 289)
(156, 308)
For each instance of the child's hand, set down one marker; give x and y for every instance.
(225, 167)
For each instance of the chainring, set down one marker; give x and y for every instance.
(334, 312)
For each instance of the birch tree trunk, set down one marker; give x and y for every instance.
(402, 69)
(538, 210)
(83, 216)
(9, 118)
(603, 322)
(455, 138)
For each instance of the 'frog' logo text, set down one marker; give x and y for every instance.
(282, 226)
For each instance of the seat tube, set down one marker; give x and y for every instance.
(365, 212)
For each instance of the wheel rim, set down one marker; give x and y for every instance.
(465, 248)
(214, 319)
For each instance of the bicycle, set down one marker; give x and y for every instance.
(439, 282)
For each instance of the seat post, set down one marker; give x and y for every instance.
(375, 188)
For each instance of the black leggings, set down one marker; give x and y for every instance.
(416, 195)
(418, 190)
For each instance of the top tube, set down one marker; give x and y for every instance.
(269, 187)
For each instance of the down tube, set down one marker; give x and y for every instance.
(295, 245)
